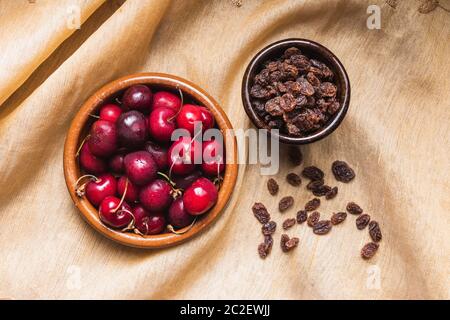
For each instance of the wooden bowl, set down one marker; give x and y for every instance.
(313, 50)
(80, 126)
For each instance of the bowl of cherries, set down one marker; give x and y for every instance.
(150, 160)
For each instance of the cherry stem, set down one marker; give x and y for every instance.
(181, 105)
(171, 229)
(94, 116)
(79, 189)
(117, 100)
(130, 226)
(123, 198)
(81, 145)
(167, 178)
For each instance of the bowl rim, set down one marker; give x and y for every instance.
(72, 169)
(321, 50)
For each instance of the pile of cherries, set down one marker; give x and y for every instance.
(137, 177)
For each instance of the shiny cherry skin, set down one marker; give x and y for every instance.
(113, 217)
(181, 156)
(140, 167)
(158, 153)
(161, 124)
(90, 163)
(97, 190)
(189, 116)
(177, 216)
(132, 194)
(102, 141)
(132, 129)
(156, 196)
(148, 223)
(165, 99)
(200, 196)
(110, 112)
(183, 182)
(138, 97)
(213, 162)
(207, 118)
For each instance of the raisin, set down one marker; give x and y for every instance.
(375, 231)
(314, 184)
(362, 221)
(332, 193)
(288, 223)
(333, 107)
(313, 218)
(369, 250)
(327, 89)
(353, 208)
(321, 191)
(273, 107)
(293, 179)
(272, 186)
(338, 218)
(287, 102)
(285, 203)
(290, 52)
(302, 215)
(342, 171)
(312, 79)
(269, 228)
(306, 88)
(288, 244)
(295, 155)
(265, 247)
(322, 227)
(313, 173)
(261, 213)
(312, 205)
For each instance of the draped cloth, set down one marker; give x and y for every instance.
(395, 136)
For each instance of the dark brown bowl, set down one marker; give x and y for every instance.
(313, 50)
(79, 128)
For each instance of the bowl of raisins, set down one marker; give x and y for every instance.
(130, 174)
(297, 89)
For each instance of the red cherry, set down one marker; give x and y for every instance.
(110, 112)
(213, 158)
(116, 163)
(140, 167)
(113, 216)
(207, 118)
(181, 156)
(167, 100)
(132, 194)
(189, 116)
(178, 216)
(91, 163)
(138, 97)
(97, 190)
(161, 124)
(200, 196)
(148, 223)
(184, 182)
(102, 139)
(158, 153)
(156, 196)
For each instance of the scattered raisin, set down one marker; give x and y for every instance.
(332, 193)
(322, 227)
(272, 186)
(314, 184)
(313, 173)
(262, 250)
(338, 217)
(342, 171)
(288, 244)
(375, 231)
(353, 208)
(285, 203)
(312, 205)
(321, 191)
(302, 215)
(313, 218)
(260, 212)
(293, 179)
(269, 228)
(369, 250)
(362, 221)
(288, 223)
(295, 155)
